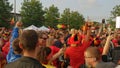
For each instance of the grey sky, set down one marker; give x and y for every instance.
(95, 9)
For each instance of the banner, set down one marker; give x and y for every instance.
(118, 22)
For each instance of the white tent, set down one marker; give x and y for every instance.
(43, 28)
(32, 27)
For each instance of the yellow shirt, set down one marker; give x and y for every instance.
(49, 66)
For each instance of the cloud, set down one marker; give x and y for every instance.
(88, 3)
(91, 1)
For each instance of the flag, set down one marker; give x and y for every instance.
(12, 21)
(61, 26)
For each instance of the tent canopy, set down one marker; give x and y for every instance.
(43, 28)
(32, 27)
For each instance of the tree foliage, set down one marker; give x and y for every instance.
(112, 23)
(116, 11)
(51, 16)
(5, 9)
(65, 16)
(72, 18)
(32, 13)
(76, 20)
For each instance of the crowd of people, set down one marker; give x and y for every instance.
(58, 48)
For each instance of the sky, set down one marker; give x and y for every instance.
(95, 10)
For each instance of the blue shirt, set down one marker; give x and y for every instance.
(11, 55)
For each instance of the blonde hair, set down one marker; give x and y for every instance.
(49, 42)
(20, 31)
(94, 52)
(72, 31)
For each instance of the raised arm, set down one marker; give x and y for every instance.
(59, 53)
(107, 45)
(15, 34)
(87, 38)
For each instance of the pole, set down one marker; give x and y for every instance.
(15, 10)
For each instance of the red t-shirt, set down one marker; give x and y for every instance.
(54, 50)
(6, 48)
(76, 54)
(100, 49)
(115, 42)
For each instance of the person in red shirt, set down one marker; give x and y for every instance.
(115, 40)
(75, 52)
(54, 50)
(5, 48)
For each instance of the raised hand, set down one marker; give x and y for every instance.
(18, 24)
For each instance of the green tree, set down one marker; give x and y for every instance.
(112, 23)
(77, 20)
(32, 13)
(5, 9)
(114, 13)
(52, 16)
(72, 18)
(65, 17)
